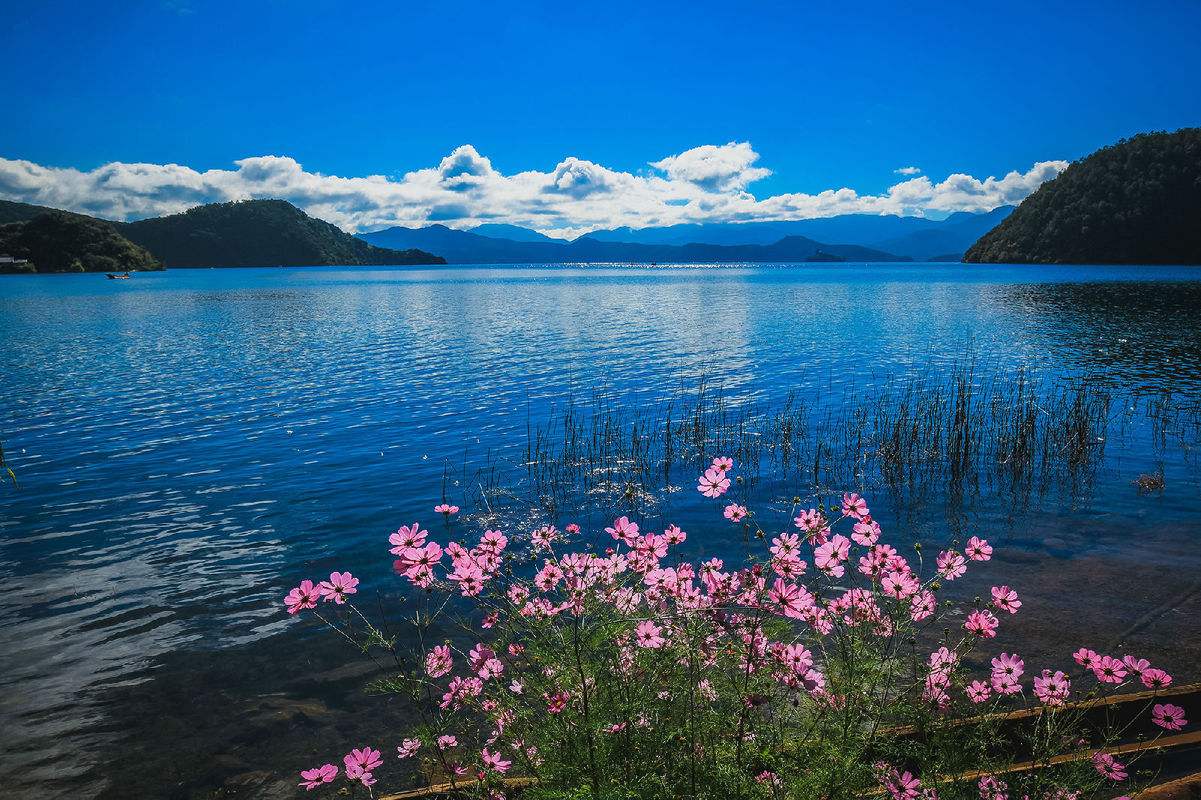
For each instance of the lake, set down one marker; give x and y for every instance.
(190, 444)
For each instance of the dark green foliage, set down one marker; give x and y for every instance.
(11, 211)
(258, 233)
(1135, 202)
(60, 242)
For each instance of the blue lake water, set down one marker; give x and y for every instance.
(189, 444)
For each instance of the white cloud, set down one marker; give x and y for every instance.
(704, 184)
(907, 170)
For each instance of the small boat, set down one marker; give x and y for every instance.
(112, 276)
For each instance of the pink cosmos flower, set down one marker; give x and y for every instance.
(447, 741)
(407, 538)
(446, 508)
(723, 464)
(624, 531)
(922, 606)
(315, 777)
(616, 727)
(572, 528)
(303, 596)
(555, 703)
(735, 512)
(901, 585)
(360, 763)
(338, 587)
(1110, 670)
(1108, 766)
(713, 483)
(992, 789)
(854, 506)
(674, 535)
(408, 748)
(1155, 678)
(1086, 658)
(649, 635)
(768, 777)
(1136, 665)
(1168, 716)
(978, 691)
(439, 661)
(866, 532)
(495, 762)
(978, 549)
(1005, 599)
(1052, 690)
(982, 623)
(951, 565)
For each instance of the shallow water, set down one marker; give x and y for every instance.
(189, 444)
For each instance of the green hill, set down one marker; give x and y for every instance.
(1135, 202)
(11, 211)
(56, 241)
(258, 233)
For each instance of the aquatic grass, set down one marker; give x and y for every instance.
(954, 433)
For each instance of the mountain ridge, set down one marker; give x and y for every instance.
(1137, 201)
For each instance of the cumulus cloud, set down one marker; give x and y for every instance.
(907, 170)
(705, 184)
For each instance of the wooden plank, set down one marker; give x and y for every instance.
(1025, 713)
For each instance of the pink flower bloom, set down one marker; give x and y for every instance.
(616, 727)
(1110, 670)
(951, 565)
(495, 762)
(1052, 690)
(447, 741)
(735, 512)
(723, 464)
(978, 691)
(624, 531)
(315, 777)
(1108, 766)
(978, 549)
(866, 532)
(303, 596)
(1086, 658)
(1136, 665)
(572, 528)
(992, 789)
(408, 748)
(407, 538)
(1155, 678)
(338, 587)
(360, 763)
(1005, 599)
(674, 535)
(648, 634)
(854, 506)
(922, 606)
(446, 508)
(1169, 717)
(982, 623)
(901, 585)
(555, 703)
(768, 777)
(439, 661)
(713, 483)
(1010, 666)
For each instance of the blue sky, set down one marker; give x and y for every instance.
(827, 95)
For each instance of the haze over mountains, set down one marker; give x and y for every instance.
(852, 237)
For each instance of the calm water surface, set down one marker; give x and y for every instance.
(191, 443)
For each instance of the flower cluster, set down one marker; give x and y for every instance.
(616, 661)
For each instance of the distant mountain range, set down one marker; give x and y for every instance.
(465, 247)
(250, 233)
(859, 237)
(1134, 202)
